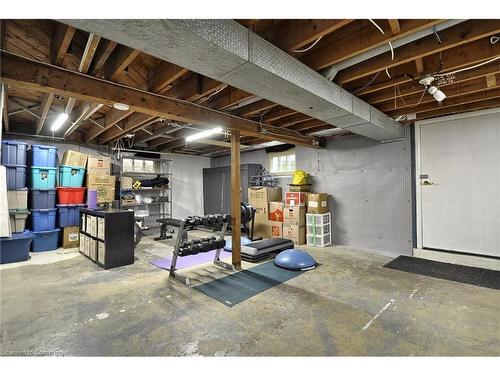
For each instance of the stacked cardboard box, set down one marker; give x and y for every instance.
(317, 203)
(276, 218)
(100, 179)
(294, 225)
(259, 198)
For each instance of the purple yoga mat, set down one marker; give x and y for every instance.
(190, 260)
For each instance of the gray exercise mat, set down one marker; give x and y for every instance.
(237, 287)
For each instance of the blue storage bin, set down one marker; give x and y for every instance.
(43, 219)
(15, 248)
(45, 240)
(42, 198)
(43, 177)
(71, 176)
(14, 152)
(68, 215)
(43, 156)
(16, 176)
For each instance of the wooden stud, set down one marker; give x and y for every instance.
(235, 200)
(419, 65)
(395, 26)
(121, 57)
(46, 103)
(60, 42)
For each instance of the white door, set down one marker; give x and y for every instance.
(459, 183)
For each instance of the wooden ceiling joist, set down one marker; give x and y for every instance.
(46, 103)
(163, 75)
(229, 97)
(104, 50)
(490, 103)
(454, 36)
(277, 114)
(298, 33)
(111, 118)
(5, 111)
(395, 26)
(354, 40)
(130, 124)
(60, 42)
(195, 87)
(86, 110)
(254, 108)
(288, 121)
(119, 60)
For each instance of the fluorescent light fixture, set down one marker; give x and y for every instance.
(59, 121)
(121, 106)
(436, 93)
(204, 134)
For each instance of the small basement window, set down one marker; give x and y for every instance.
(281, 163)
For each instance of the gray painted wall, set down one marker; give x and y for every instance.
(370, 188)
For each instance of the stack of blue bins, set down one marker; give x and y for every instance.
(43, 162)
(15, 248)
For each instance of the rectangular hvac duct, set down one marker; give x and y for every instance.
(228, 52)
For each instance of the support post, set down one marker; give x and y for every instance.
(235, 199)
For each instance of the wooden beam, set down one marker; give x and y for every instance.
(111, 118)
(454, 36)
(395, 26)
(229, 97)
(490, 103)
(102, 54)
(235, 200)
(89, 52)
(254, 108)
(120, 58)
(162, 75)
(46, 103)
(60, 42)
(37, 76)
(288, 121)
(491, 80)
(180, 134)
(294, 34)
(356, 38)
(4, 103)
(307, 125)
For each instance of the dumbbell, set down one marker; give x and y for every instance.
(195, 246)
(184, 248)
(205, 245)
(221, 243)
(226, 218)
(218, 219)
(210, 220)
(212, 241)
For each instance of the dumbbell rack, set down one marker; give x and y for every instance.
(182, 234)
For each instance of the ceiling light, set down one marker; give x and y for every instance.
(436, 93)
(203, 134)
(121, 106)
(59, 121)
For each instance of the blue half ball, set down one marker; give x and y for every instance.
(295, 259)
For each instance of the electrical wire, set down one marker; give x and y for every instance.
(494, 39)
(212, 94)
(377, 26)
(368, 84)
(468, 68)
(387, 72)
(308, 48)
(413, 105)
(392, 50)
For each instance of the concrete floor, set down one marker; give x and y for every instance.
(65, 305)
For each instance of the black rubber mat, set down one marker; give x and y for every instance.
(453, 272)
(237, 287)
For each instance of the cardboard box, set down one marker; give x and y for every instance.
(295, 198)
(260, 197)
(296, 233)
(126, 183)
(294, 215)
(317, 203)
(104, 185)
(262, 229)
(97, 164)
(276, 229)
(74, 159)
(299, 188)
(71, 237)
(276, 211)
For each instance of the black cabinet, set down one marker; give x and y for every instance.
(217, 187)
(107, 237)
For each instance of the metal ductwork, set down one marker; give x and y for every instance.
(228, 52)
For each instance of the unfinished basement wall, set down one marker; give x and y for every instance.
(370, 190)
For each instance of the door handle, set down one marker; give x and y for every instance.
(427, 183)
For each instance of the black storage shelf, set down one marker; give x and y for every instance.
(107, 237)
